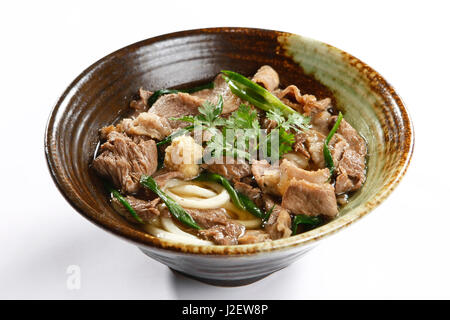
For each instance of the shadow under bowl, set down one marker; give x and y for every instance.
(101, 94)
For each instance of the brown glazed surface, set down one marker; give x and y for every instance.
(102, 93)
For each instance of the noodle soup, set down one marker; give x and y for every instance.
(235, 161)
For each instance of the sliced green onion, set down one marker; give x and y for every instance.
(116, 194)
(177, 133)
(209, 85)
(161, 156)
(239, 200)
(214, 177)
(250, 206)
(254, 93)
(175, 209)
(326, 151)
(155, 96)
(304, 219)
(268, 213)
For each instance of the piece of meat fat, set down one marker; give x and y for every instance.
(184, 155)
(353, 138)
(163, 175)
(351, 171)
(222, 234)
(312, 106)
(276, 179)
(312, 199)
(267, 176)
(337, 147)
(230, 101)
(156, 123)
(279, 223)
(250, 192)
(297, 186)
(140, 105)
(146, 124)
(231, 169)
(291, 96)
(306, 104)
(289, 171)
(254, 236)
(349, 152)
(217, 227)
(176, 105)
(299, 145)
(124, 161)
(320, 121)
(314, 141)
(267, 77)
(298, 158)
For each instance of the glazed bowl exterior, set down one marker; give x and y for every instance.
(101, 94)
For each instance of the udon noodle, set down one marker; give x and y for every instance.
(197, 195)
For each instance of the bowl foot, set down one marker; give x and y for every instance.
(222, 283)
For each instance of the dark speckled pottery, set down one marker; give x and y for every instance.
(102, 93)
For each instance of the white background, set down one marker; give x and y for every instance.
(401, 250)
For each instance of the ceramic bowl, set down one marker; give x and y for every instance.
(102, 93)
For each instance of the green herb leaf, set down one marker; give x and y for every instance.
(268, 213)
(209, 112)
(304, 219)
(209, 85)
(155, 96)
(245, 125)
(294, 122)
(243, 118)
(175, 209)
(250, 206)
(275, 115)
(177, 133)
(297, 122)
(326, 151)
(116, 194)
(286, 141)
(208, 116)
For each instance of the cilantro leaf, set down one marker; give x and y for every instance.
(240, 132)
(209, 112)
(239, 135)
(294, 122)
(243, 118)
(275, 115)
(284, 143)
(297, 122)
(184, 118)
(286, 140)
(208, 116)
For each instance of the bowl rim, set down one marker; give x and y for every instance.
(148, 241)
